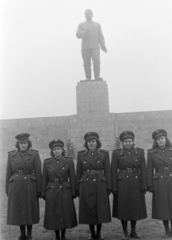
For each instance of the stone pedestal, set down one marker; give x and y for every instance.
(92, 96)
(92, 114)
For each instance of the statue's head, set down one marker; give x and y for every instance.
(88, 14)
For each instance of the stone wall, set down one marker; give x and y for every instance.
(92, 115)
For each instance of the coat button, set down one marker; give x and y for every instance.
(94, 180)
(84, 162)
(161, 176)
(60, 186)
(136, 160)
(136, 176)
(98, 161)
(25, 177)
(86, 178)
(88, 170)
(127, 176)
(170, 175)
(63, 168)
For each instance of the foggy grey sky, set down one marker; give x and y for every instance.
(41, 56)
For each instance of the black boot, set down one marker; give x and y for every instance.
(23, 234)
(63, 232)
(124, 226)
(99, 236)
(29, 232)
(167, 229)
(93, 235)
(57, 235)
(133, 233)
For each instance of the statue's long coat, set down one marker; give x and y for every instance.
(23, 206)
(94, 205)
(59, 208)
(129, 203)
(161, 182)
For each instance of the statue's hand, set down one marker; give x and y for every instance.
(104, 49)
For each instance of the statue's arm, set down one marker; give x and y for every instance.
(80, 32)
(101, 39)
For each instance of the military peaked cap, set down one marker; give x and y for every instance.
(125, 135)
(91, 135)
(22, 137)
(158, 133)
(56, 143)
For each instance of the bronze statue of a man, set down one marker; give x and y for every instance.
(92, 40)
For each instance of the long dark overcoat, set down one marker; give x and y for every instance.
(58, 186)
(23, 206)
(159, 168)
(70, 150)
(94, 205)
(129, 177)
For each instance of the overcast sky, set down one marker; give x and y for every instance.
(41, 56)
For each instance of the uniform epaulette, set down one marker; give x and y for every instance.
(82, 151)
(103, 150)
(11, 151)
(118, 149)
(68, 157)
(48, 159)
(153, 150)
(34, 150)
(150, 149)
(140, 148)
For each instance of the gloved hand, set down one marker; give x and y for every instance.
(150, 189)
(38, 194)
(43, 198)
(115, 193)
(108, 192)
(144, 190)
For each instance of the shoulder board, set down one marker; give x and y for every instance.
(103, 150)
(11, 151)
(48, 159)
(118, 149)
(152, 150)
(82, 151)
(140, 149)
(69, 157)
(34, 150)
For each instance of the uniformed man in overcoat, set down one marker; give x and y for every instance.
(23, 186)
(93, 185)
(159, 168)
(92, 39)
(129, 184)
(58, 190)
(70, 149)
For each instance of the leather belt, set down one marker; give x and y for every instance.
(93, 172)
(164, 170)
(26, 172)
(129, 170)
(58, 180)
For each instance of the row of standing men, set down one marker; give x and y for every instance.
(127, 179)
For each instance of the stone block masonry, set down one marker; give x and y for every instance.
(92, 115)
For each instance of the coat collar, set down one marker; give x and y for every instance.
(130, 156)
(57, 166)
(164, 156)
(92, 159)
(20, 160)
